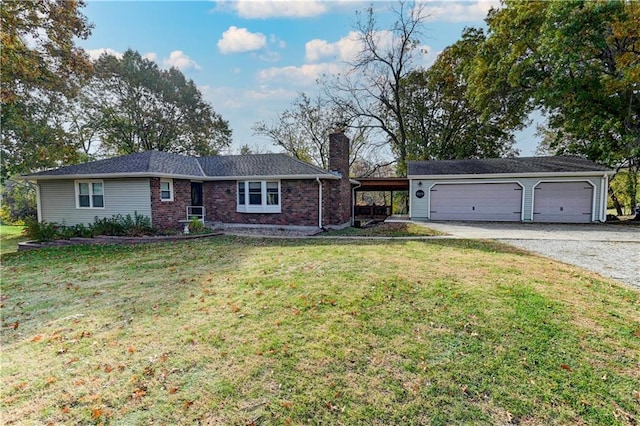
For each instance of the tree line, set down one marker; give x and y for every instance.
(575, 63)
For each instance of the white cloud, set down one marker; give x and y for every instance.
(236, 40)
(459, 11)
(151, 56)
(262, 9)
(345, 49)
(305, 75)
(179, 60)
(96, 53)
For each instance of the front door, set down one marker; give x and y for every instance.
(196, 200)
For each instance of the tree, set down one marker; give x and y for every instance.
(441, 122)
(579, 61)
(41, 67)
(143, 107)
(372, 89)
(303, 131)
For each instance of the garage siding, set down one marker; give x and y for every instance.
(121, 196)
(420, 207)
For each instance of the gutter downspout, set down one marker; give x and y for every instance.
(353, 204)
(319, 202)
(38, 201)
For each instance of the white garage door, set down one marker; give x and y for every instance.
(477, 201)
(563, 202)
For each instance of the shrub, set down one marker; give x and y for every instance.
(195, 225)
(41, 231)
(117, 225)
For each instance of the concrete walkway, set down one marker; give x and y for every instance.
(610, 250)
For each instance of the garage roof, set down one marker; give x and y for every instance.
(509, 166)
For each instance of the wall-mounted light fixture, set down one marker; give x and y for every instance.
(420, 183)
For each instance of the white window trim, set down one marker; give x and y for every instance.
(262, 208)
(170, 189)
(76, 185)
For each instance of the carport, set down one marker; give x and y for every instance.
(374, 198)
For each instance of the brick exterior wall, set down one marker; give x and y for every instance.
(299, 198)
(167, 214)
(299, 204)
(337, 193)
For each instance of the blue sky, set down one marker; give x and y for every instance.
(251, 58)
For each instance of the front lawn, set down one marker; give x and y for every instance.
(232, 330)
(10, 236)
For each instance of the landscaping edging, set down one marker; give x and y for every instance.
(107, 239)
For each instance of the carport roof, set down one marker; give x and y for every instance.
(508, 166)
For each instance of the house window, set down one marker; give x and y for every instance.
(89, 194)
(259, 196)
(166, 189)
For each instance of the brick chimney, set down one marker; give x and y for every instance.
(339, 153)
(337, 193)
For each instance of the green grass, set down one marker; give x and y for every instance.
(10, 236)
(384, 229)
(257, 331)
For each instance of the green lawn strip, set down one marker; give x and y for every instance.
(233, 331)
(10, 236)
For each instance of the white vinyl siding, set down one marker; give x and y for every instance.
(124, 196)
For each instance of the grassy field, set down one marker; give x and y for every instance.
(10, 236)
(242, 331)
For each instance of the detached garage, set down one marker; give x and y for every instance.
(534, 189)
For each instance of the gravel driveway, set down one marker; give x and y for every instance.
(610, 250)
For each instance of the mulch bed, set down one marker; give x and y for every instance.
(106, 239)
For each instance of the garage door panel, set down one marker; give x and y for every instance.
(565, 202)
(479, 202)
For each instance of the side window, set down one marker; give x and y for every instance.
(166, 189)
(89, 194)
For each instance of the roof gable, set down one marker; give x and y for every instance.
(508, 166)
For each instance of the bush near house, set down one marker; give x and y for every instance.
(117, 225)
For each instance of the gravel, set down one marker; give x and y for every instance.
(619, 260)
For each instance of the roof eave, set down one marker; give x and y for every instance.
(514, 175)
(111, 176)
(175, 176)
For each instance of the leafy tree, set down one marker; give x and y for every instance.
(441, 122)
(303, 131)
(579, 61)
(18, 202)
(143, 107)
(372, 89)
(41, 67)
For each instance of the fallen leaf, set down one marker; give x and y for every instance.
(49, 380)
(65, 409)
(566, 367)
(131, 349)
(96, 413)
(286, 404)
(187, 404)
(108, 368)
(173, 390)
(36, 338)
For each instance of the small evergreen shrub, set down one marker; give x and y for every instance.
(117, 225)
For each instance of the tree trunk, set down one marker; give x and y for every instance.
(615, 201)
